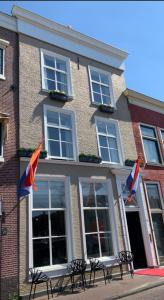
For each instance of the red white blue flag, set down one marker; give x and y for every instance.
(133, 178)
(26, 182)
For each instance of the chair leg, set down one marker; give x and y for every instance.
(47, 290)
(72, 282)
(104, 276)
(30, 291)
(90, 277)
(51, 288)
(131, 270)
(121, 271)
(94, 272)
(34, 291)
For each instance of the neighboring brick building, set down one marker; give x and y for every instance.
(147, 116)
(9, 163)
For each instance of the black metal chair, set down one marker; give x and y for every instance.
(77, 267)
(125, 258)
(39, 277)
(96, 265)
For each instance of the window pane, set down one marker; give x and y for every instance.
(96, 87)
(104, 154)
(95, 75)
(152, 152)
(104, 78)
(111, 129)
(0, 139)
(49, 60)
(61, 64)
(1, 61)
(159, 232)
(162, 132)
(106, 244)
(90, 221)
(148, 131)
(153, 196)
(103, 220)
(106, 100)
(103, 141)
(59, 252)
(62, 87)
(58, 223)
(67, 150)
(61, 77)
(41, 253)
(105, 90)
(57, 190)
(52, 117)
(66, 135)
(40, 223)
(114, 155)
(48, 73)
(50, 85)
(88, 194)
(101, 126)
(101, 195)
(97, 97)
(53, 133)
(53, 148)
(65, 120)
(40, 196)
(112, 142)
(92, 245)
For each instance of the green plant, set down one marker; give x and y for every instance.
(13, 296)
(57, 91)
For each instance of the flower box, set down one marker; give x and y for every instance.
(61, 96)
(23, 152)
(130, 163)
(106, 108)
(90, 158)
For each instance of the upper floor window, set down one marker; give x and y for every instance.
(162, 135)
(108, 141)
(0, 139)
(101, 86)
(150, 143)
(55, 72)
(1, 62)
(60, 133)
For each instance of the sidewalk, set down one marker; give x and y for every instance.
(116, 289)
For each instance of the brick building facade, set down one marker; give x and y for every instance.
(9, 162)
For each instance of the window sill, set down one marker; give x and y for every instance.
(150, 164)
(47, 93)
(2, 77)
(2, 159)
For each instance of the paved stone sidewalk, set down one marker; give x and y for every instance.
(117, 289)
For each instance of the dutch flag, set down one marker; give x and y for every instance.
(133, 178)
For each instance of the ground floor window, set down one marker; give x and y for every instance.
(97, 218)
(49, 223)
(157, 213)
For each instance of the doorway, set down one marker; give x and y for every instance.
(136, 239)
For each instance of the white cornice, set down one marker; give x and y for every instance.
(144, 101)
(8, 22)
(51, 32)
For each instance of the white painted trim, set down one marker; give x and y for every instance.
(154, 139)
(8, 22)
(74, 137)
(118, 137)
(55, 269)
(111, 211)
(111, 92)
(2, 76)
(68, 73)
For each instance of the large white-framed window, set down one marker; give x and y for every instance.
(49, 220)
(156, 206)
(150, 144)
(98, 223)
(3, 45)
(101, 86)
(162, 136)
(1, 140)
(109, 142)
(56, 74)
(60, 133)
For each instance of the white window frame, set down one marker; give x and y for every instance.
(74, 136)
(68, 74)
(1, 141)
(110, 85)
(155, 139)
(162, 130)
(111, 215)
(118, 138)
(68, 224)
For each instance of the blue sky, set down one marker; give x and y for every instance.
(136, 27)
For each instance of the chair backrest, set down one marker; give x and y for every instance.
(35, 274)
(77, 265)
(96, 264)
(125, 256)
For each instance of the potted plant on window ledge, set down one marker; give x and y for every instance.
(27, 152)
(89, 158)
(59, 95)
(106, 108)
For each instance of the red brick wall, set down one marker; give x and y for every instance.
(9, 169)
(143, 115)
